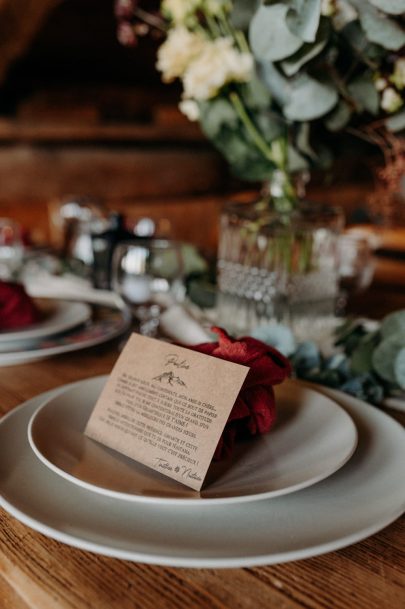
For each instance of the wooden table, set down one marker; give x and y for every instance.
(40, 573)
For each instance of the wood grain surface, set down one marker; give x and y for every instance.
(40, 573)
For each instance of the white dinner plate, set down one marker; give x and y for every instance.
(313, 437)
(360, 499)
(107, 324)
(395, 402)
(57, 316)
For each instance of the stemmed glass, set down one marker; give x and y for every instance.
(148, 275)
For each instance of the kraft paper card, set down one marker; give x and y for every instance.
(166, 407)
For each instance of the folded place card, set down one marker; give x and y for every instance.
(166, 407)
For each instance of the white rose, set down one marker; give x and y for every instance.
(391, 101)
(190, 108)
(179, 49)
(217, 64)
(180, 10)
(328, 7)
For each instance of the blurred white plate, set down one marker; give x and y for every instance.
(106, 324)
(58, 316)
(360, 499)
(313, 437)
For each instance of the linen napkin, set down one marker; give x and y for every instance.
(177, 324)
(70, 287)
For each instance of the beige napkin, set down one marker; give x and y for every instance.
(70, 287)
(177, 324)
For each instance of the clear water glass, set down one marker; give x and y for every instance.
(273, 270)
(148, 275)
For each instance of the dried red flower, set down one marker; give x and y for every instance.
(16, 308)
(254, 411)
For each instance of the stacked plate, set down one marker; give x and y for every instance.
(65, 326)
(329, 474)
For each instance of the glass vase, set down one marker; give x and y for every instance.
(274, 267)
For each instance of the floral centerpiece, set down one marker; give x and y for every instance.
(264, 78)
(270, 83)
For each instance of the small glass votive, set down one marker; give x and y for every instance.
(11, 249)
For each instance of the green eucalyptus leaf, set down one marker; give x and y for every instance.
(399, 368)
(377, 27)
(339, 117)
(242, 13)
(371, 53)
(270, 38)
(302, 140)
(384, 357)
(303, 18)
(393, 325)
(279, 86)
(396, 122)
(269, 125)
(296, 162)
(215, 114)
(361, 360)
(364, 93)
(308, 51)
(393, 7)
(244, 160)
(255, 94)
(310, 99)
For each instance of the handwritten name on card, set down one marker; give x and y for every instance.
(166, 407)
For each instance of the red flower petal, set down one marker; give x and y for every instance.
(254, 410)
(16, 307)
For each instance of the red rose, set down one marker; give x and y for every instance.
(254, 410)
(16, 307)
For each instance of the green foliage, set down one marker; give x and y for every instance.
(310, 99)
(270, 36)
(378, 28)
(307, 51)
(385, 355)
(315, 63)
(393, 7)
(339, 117)
(303, 17)
(301, 55)
(399, 368)
(393, 324)
(363, 92)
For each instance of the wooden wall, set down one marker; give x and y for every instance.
(79, 114)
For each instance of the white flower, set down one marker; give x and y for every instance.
(190, 108)
(215, 7)
(345, 13)
(179, 49)
(328, 8)
(380, 83)
(398, 76)
(217, 64)
(391, 101)
(180, 10)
